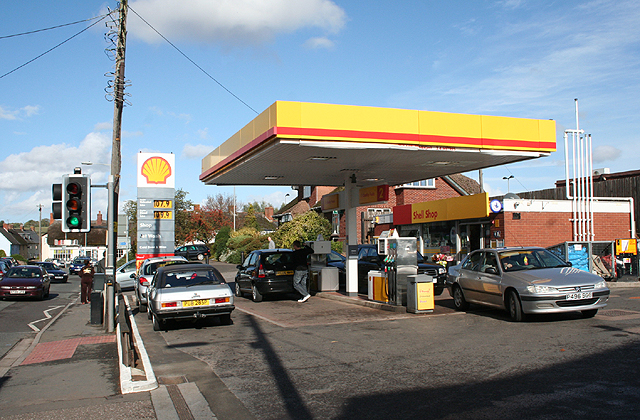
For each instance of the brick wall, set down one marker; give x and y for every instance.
(547, 229)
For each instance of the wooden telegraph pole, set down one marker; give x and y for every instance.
(114, 180)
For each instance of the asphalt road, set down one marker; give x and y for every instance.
(20, 318)
(330, 360)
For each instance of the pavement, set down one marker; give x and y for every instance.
(72, 369)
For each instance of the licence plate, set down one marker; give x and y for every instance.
(284, 273)
(198, 302)
(18, 292)
(580, 296)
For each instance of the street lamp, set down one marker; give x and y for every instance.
(508, 178)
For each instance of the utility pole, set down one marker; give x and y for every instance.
(114, 179)
(40, 233)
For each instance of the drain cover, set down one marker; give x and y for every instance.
(172, 380)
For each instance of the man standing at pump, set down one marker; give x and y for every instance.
(301, 271)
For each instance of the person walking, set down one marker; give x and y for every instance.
(86, 282)
(301, 272)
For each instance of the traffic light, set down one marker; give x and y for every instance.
(56, 205)
(76, 209)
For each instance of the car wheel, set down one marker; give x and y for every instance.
(225, 319)
(514, 306)
(238, 291)
(200, 257)
(459, 301)
(590, 313)
(156, 323)
(142, 307)
(255, 294)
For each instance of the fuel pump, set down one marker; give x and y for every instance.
(401, 263)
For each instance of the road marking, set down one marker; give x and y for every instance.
(46, 314)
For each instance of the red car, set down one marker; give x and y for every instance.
(25, 281)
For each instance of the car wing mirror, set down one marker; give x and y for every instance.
(133, 275)
(491, 270)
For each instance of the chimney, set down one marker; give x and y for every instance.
(5, 226)
(268, 213)
(51, 220)
(99, 219)
(196, 207)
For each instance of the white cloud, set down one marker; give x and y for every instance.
(196, 152)
(26, 111)
(319, 42)
(232, 21)
(605, 153)
(26, 178)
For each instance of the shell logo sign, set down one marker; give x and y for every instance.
(156, 170)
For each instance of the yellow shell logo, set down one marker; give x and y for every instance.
(156, 170)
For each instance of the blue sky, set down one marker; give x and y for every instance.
(516, 58)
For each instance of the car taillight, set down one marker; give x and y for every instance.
(261, 272)
(222, 300)
(142, 280)
(169, 304)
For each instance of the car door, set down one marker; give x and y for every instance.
(246, 270)
(489, 284)
(468, 276)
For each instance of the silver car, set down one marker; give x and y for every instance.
(529, 280)
(145, 274)
(189, 291)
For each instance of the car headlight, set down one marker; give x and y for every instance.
(539, 289)
(600, 285)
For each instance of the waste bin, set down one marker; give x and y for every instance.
(378, 286)
(328, 280)
(420, 293)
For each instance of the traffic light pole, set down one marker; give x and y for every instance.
(110, 269)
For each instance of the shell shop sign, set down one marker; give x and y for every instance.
(156, 170)
(457, 208)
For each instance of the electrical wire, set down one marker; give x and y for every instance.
(53, 27)
(53, 48)
(193, 62)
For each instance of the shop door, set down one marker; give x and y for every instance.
(475, 233)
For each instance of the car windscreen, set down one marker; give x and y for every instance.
(48, 266)
(527, 259)
(188, 278)
(24, 273)
(151, 268)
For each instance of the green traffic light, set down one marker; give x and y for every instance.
(73, 222)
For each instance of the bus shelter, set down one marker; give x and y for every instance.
(366, 149)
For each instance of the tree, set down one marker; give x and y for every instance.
(257, 207)
(304, 227)
(182, 215)
(131, 210)
(250, 220)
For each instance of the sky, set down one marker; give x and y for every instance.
(231, 59)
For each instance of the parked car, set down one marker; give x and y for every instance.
(10, 261)
(145, 274)
(188, 291)
(528, 280)
(369, 259)
(126, 275)
(77, 264)
(198, 252)
(24, 281)
(265, 271)
(54, 271)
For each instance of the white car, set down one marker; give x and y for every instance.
(126, 275)
(189, 291)
(145, 274)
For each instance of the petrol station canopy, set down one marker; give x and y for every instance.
(299, 143)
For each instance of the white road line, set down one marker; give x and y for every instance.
(46, 314)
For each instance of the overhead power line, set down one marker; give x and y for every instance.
(53, 48)
(193, 62)
(52, 27)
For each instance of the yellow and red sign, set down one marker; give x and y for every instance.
(375, 194)
(156, 170)
(457, 208)
(331, 202)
